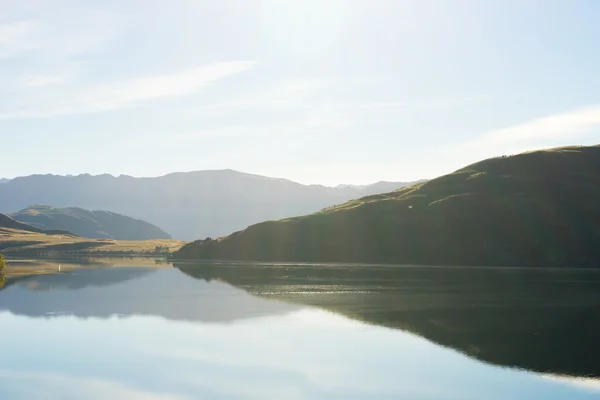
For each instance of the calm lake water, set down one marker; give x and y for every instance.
(221, 331)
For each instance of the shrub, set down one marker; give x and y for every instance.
(2, 265)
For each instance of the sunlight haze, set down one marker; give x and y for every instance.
(319, 92)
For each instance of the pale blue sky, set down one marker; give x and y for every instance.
(326, 91)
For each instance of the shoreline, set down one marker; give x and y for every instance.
(19, 268)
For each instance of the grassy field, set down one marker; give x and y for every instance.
(19, 242)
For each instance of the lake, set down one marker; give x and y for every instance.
(229, 331)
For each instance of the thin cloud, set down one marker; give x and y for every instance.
(569, 125)
(56, 34)
(163, 86)
(39, 80)
(573, 127)
(579, 126)
(111, 96)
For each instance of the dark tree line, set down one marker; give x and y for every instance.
(161, 249)
(2, 265)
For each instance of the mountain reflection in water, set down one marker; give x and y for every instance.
(301, 331)
(544, 320)
(134, 291)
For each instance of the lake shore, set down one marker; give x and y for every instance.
(19, 268)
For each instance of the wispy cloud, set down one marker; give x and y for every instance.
(54, 54)
(122, 94)
(56, 33)
(44, 46)
(563, 126)
(38, 80)
(115, 95)
(572, 127)
(578, 126)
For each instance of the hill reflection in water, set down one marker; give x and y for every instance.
(122, 291)
(544, 320)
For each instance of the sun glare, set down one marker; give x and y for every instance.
(306, 28)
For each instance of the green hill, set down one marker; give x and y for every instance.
(7, 222)
(90, 224)
(538, 209)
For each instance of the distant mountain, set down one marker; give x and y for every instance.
(188, 205)
(89, 224)
(532, 209)
(4, 180)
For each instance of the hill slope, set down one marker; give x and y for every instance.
(7, 222)
(188, 205)
(537, 208)
(90, 224)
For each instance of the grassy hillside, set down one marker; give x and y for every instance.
(537, 208)
(90, 224)
(17, 238)
(7, 222)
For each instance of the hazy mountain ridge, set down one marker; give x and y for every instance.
(188, 205)
(536, 208)
(89, 224)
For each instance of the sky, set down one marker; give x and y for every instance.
(320, 92)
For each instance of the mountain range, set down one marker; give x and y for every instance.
(187, 205)
(89, 224)
(532, 209)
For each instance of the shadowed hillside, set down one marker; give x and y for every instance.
(188, 205)
(537, 208)
(7, 222)
(90, 224)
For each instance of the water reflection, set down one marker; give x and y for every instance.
(537, 319)
(129, 291)
(239, 331)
